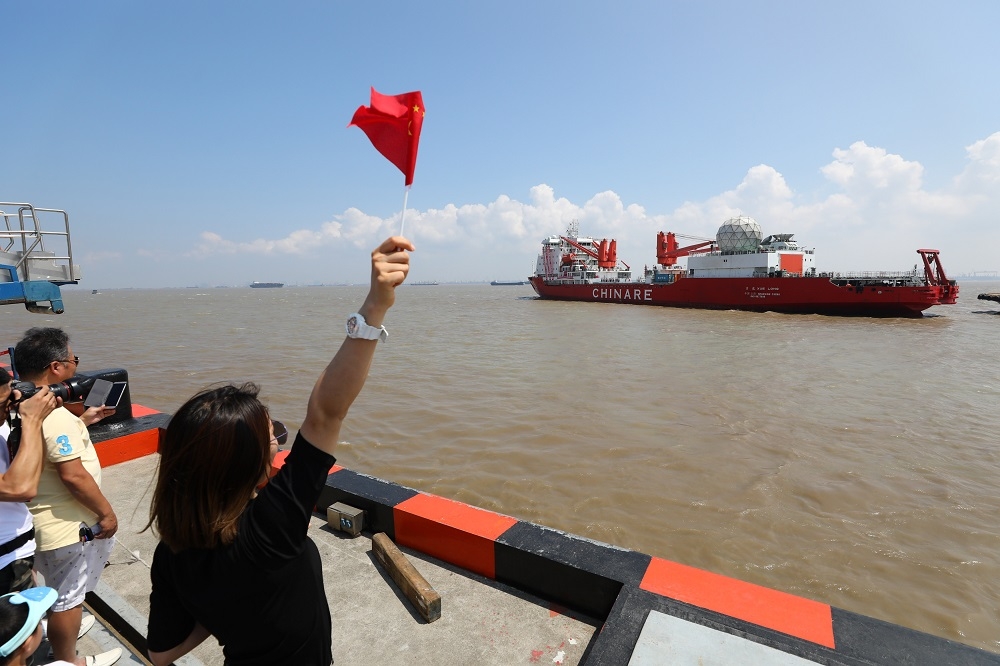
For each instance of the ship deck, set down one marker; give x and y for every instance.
(511, 592)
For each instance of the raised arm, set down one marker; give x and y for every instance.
(341, 381)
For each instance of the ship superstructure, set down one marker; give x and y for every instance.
(576, 259)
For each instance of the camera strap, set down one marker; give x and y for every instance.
(17, 542)
(13, 437)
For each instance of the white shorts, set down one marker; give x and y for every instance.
(73, 570)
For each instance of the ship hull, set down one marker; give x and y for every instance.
(798, 295)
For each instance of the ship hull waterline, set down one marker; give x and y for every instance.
(795, 295)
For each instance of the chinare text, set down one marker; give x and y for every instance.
(624, 294)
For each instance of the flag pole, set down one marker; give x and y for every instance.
(402, 217)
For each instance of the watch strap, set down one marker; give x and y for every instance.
(357, 327)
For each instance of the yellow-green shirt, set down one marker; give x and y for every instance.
(56, 512)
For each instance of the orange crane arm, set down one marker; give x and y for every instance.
(667, 251)
(610, 252)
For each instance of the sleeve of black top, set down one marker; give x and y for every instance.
(275, 523)
(169, 623)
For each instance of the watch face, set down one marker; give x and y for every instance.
(352, 327)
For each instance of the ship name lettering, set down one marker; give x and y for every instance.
(624, 294)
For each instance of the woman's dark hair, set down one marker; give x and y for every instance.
(4, 377)
(215, 452)
(12, 618)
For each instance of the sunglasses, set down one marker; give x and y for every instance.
(280, 432)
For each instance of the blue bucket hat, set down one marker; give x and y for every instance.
(39, 600)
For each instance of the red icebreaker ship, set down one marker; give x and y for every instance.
(737, 271)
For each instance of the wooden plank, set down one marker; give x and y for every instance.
(413, 586)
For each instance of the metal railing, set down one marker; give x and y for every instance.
(22, 235)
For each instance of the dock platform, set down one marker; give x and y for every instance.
(511, 591)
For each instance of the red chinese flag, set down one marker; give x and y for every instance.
(392, 124)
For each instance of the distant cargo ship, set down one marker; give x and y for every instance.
(423, 284)
(507, 283)
(266, 285)
(737, 271)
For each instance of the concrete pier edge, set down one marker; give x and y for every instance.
(616, 586)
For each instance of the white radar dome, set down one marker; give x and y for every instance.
(738, 234)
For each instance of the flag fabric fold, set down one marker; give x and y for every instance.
(392, 123)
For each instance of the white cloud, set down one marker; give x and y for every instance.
(982, 176)
(297, 242)
(863, 170)
(878, 214)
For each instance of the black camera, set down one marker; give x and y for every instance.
(73, 389)
(88, 532)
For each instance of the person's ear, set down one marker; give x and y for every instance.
(28, 647)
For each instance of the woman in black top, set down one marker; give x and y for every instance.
(236, 564)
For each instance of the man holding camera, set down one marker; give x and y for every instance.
(69, 495)
(19, 481)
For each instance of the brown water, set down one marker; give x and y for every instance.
(851, 461)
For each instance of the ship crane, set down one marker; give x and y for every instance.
(667, 251)
(934, 271)
(606, 255)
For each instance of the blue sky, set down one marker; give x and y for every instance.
(204, 143)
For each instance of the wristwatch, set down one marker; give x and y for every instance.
(357, 327)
